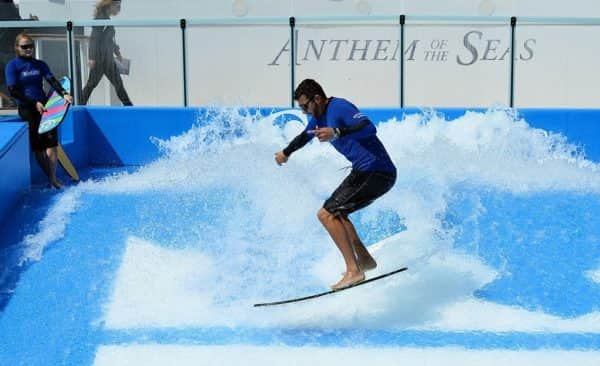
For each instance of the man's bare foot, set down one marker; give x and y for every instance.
(367, 263)
(363, 257)
(350, 278)
(56, 183)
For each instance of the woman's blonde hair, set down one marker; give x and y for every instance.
(19, 37)
(103, 5)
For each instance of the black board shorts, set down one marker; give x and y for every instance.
(359, 190)
(38, 142)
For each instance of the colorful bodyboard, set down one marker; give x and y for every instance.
(56, 109)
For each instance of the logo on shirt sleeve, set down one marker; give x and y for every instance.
(359, 115)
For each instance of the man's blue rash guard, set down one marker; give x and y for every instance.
(27, 74)
(361, 147)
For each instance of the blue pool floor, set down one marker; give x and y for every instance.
(52, 309)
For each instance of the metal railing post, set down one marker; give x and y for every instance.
(401, 57)
(71, 59)
(513, 24)
(292, 60)
(182, 25)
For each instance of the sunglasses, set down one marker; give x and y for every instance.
(26, 46)
(304, 106)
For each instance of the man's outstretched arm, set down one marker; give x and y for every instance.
(297, 143)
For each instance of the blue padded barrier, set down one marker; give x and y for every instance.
(579, 126)
(115, 136)
(14, 164)
(121, 135)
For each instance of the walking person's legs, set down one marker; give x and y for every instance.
(112, 73)
(96, 74)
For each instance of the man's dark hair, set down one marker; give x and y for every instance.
(310, 88)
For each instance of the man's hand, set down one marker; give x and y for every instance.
(68, 99)
(40, 107)
(323, 133)
(280, 158)
(92, 63)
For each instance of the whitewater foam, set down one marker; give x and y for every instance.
(51, 228)
(270, 245)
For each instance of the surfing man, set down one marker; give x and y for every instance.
(373, 174)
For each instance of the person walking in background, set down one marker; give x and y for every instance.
(373, 173)
(102, 53)
(24, 78)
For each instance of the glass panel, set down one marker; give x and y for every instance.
(9, 11)
(155, 67)
(7, 52)
(237, 8)
(76, 10)
(239, 65)
(445, 65)
(50, 46)
(457, 65)
(558, 66)
(359, 63)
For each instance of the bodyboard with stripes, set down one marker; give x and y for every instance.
(56, 108)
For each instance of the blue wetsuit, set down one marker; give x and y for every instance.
(361, 147)
(24, 78)
(26, 75)
(373, 172)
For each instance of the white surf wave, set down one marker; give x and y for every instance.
(158, 287)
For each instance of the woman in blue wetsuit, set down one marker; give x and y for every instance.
(24, 79)
(353, 135)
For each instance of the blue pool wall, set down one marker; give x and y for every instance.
(122, 136)
(14, 164)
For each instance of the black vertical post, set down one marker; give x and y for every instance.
(71, 60)
(402, 22)
(182, 24)
(513, 24)
(292, 60)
